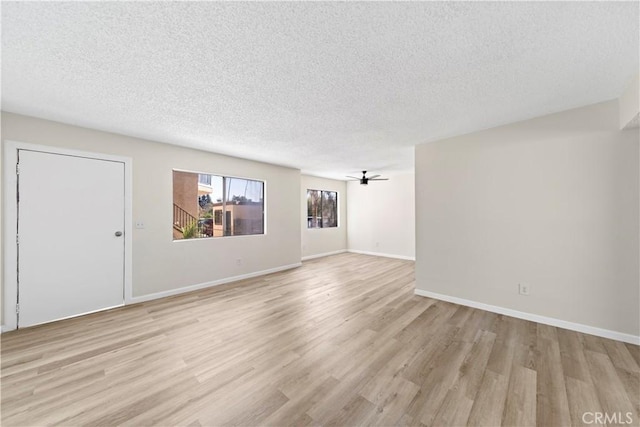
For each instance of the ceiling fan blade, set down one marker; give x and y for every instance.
(373, 176)
(353, 177)
(378, 179)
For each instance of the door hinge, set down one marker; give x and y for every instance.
(17, 308)
(17, 168)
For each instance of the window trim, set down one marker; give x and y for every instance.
(338, 219)
(264, 205)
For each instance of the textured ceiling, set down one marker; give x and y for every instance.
(330, 88)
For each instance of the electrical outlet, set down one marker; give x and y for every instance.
(239, 261)
(139, 225)
(523, 289)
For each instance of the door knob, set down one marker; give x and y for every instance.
(118, 233)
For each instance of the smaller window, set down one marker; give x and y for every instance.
(322, 209)
(217, 214)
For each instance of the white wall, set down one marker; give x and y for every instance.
(159, 263)
(552, 202)
(323, 241)
(381, 216)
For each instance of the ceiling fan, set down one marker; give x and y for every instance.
(365, 179)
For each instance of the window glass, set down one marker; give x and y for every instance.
(207, 205)
(322, 209)
(329, 209)
(314, 210)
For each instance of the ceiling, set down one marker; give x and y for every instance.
(329, 88)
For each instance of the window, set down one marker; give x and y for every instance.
(322, 209)
(214, 206)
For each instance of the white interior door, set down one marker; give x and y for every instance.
(71, 236)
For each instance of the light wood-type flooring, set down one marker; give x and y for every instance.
(340, 341)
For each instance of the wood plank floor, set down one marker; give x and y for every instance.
(340, 341)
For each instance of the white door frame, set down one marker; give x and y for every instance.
(10, 221)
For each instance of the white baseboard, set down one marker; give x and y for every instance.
(578, 327)
(308, 257)
(171, 292)
(4, 329)
(408, 258)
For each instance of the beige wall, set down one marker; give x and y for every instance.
(159, 263)
(319, 241)
(551, 202)
(382, 216)
(629, 103)
(245, 212)
(185, 192)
